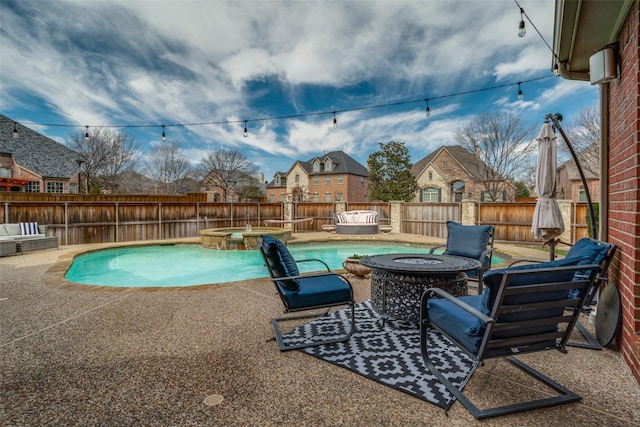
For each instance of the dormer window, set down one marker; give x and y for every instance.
(316, 166)
(327, 165)
(277, 179)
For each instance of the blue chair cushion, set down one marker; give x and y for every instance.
(317, 291)
(467, 240)
(456, 322)
(492, 282)
(281, 263)
(592, 252)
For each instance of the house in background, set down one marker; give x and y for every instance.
(568, 181)
(453, 173)
(232, 186)
(332, 177)
(31, 162)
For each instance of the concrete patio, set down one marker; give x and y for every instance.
(81, 355)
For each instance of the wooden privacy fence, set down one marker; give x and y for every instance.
(103, 221)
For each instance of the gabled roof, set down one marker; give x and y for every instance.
(272, 183)
(588, 159)
(466, 159)
(341, 162)
(36, 152)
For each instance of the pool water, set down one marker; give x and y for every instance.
(189, 265)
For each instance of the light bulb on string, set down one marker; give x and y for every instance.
(520, 95)
(556, 69)
(521, 30)
(15, 130)
(164, 135)
(428, 110)
(86, 134)
(246, 131)
(335, 121)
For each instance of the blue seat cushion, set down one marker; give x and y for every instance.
(318, 291)
(456, 322)
(467, 240)
(281, 263)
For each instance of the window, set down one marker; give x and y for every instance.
(316, 179)
(281, 197)
(340, 178)
(340, 197)
(73, 187)
(32, 187)
(444, 164)
(582, 195)
(272, 198)
(316, 197)
(430, 176)
(55, 187)
(316, 166)
(457, 187)
(501, 196)
(327, 165)
(327, 197)
(277, 179)
(297, 179)
(362, 181)
(327, 179)
(431, 195)
(5, 173)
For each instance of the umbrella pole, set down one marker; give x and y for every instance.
(555, 118)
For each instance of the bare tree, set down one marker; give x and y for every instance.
(223, 169)
(167, 165)
(107, 154)
(503, 142)
(584, 136)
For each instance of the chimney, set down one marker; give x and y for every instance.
(261, 177)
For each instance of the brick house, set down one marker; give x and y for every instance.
(31, 162)
(332, 177)
(607, 34)
(452, 173)
(569, 184)
(230, 188)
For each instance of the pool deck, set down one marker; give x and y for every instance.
(84, 355)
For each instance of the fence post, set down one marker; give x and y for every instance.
(6, 212)
(395, 215)
(468, 212)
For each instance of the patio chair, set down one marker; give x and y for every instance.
(521, 311)
(307, 291)
(470, 241)
(595, 252)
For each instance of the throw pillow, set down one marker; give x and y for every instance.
(28, 228)
(467, 240)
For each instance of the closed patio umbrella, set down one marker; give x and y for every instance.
(547, 221)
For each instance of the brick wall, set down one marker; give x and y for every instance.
(623, 190)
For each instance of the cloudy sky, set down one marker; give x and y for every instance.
(202, 68)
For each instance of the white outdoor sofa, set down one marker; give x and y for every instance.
(24, 237)
(357, 222)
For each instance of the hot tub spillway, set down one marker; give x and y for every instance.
(240, 238)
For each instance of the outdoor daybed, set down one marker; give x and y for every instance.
(357, 222)
(24, 237)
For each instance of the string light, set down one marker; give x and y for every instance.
(246, 132)
(520, 95)
(521, 30)
(15, 129)
(302, 115)
(428, 110)
(86, 134)
(335, 121)
(164, 135)
(556, 69)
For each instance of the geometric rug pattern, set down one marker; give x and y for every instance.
(388, 354)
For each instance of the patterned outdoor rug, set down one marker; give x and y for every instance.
(389, 355)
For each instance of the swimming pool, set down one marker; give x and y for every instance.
(189, 265)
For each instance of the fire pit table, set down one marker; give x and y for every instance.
(399, 280)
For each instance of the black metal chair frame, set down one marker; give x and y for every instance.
(592, 343)
(275, 321)
(492, 347)
(485, 259)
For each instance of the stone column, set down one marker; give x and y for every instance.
(468, 214)
(395, 216)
